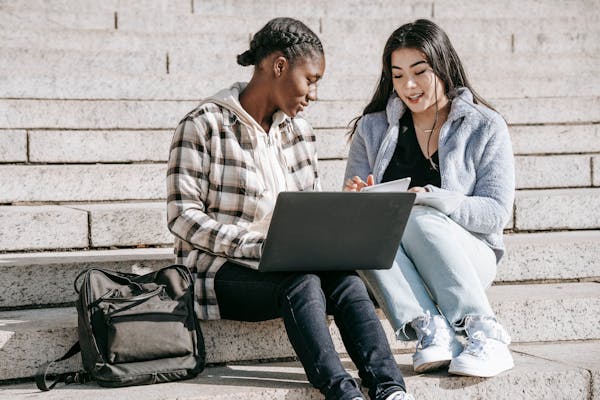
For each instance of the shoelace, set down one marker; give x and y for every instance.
(476, 344)
(425, 336)
(497, 332)
(421, 327)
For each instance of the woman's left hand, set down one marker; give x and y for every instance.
(417, 189)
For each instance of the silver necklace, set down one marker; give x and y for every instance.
(429, 132)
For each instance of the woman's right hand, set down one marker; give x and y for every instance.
(356, 184)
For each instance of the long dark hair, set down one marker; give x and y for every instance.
(290, 36)
(431, 40)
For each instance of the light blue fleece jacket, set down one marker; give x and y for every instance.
(475, 155)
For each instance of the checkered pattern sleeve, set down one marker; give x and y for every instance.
(188, 185)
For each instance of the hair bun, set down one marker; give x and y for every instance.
(246, 58)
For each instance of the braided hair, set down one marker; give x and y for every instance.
(290, 36)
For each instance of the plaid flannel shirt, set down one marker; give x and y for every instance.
(213, 188)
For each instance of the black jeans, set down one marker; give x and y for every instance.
(303, 301)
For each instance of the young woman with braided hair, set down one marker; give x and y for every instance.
(229, 159)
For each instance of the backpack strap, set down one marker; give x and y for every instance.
(67, 378)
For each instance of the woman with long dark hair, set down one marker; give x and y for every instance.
(229, 159)
(426, 122)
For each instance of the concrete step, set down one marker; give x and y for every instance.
(84, 225)
(472, 35)
(164, 114)
(596, 171)
(127, 224)
(93, 62)
(67, 84)
(119, 146)
(553, 171)
(30, 279)
(400, 9)
(93, 114)
(525, 9)
(536, 376)
(477, 64)
(151, 21)
(557, 209)
(104, 51)
(90, 6)
(47, 278)
(42, 16)
(532, 172)
(110, 40)
(106, 182)
(522, 111)
(42, 227)
(585, 355)
(97, 146)
(106, 62)
(111, 182)
(82, 182)
(90, 146)
(335, 8)
(529, 312)
(554, 139)
(49, 19)
(550, 256)
(76, 146)
(153, 30)
(361, 87)
(13, 146)
(100, 225)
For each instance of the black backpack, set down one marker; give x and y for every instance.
(134, 329)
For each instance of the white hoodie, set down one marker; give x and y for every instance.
(267, 152)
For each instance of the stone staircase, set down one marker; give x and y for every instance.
(91, 91)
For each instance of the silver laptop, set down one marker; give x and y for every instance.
(333, 231)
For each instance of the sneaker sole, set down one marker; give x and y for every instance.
(479, 373)
(430, 366)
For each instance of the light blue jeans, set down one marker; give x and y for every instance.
(440, 267)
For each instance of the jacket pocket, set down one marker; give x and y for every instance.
(148, 330)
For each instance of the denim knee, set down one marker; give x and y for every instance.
(306, 285)
(346, 290)
(425, 224)
(354, 283)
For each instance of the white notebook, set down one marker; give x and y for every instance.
(399, 185)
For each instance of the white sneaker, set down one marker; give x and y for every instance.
(486, 353)
(436, 343)
(400, 396)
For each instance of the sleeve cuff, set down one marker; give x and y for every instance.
(254, 249)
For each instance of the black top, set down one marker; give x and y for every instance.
(408, 159)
